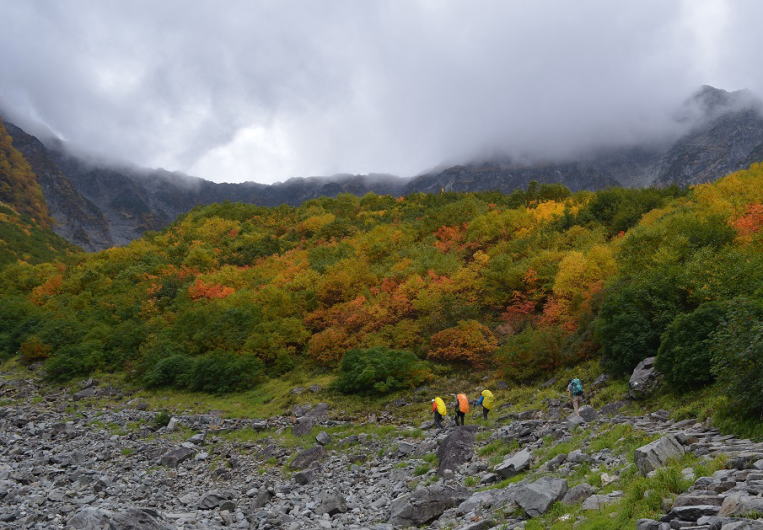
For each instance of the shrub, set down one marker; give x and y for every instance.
(379, 371)
(737, 351)
(533, 353)
(66, 365)
(162, 419)
(634, 315)
(468, 341)
(220, 372)
(170, 371)
(684, 355)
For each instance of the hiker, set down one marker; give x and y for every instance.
(487, 400)
(439, 410)
(575, 390)
(461, 406)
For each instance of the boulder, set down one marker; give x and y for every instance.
(741, 504)
(131, 519)
(331, 503)
(655, 454)
(596, 502)
(578, 493)
(424, 505)
(323, 438)
(610, 409)
(405, 448)
(644, 380)
(514, 464)
(172, 425)
(692, 513)
(303, 425)
(214, 498)
(743, 525)
(176, 456)
(574, 420)
(651, 524)
(537, 497)
(308, 457)
(456, 449)
(588, 413)
(303, 477)
(320, 410)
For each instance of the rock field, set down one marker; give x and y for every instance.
(68, 461)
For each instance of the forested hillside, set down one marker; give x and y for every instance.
(24, 221)
(521, 284)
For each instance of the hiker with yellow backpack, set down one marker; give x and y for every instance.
(439, 411)
(487, 400)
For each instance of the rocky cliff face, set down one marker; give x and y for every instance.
(97, 206)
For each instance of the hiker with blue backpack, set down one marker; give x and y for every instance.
(575, 390)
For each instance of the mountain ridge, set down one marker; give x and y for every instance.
(97, 206)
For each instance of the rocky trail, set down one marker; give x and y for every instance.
(68, 461)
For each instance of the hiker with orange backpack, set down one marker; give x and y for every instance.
(461, 406)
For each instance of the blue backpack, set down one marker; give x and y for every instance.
(576, 386)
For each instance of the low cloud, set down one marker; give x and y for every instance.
(265, 91)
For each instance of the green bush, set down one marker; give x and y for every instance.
(379, 371)
(684, 355)
(172, 371)
(534, 353)
(69, 363)
(217, 372)
(633, 316)
(220, 372)
(737, 351)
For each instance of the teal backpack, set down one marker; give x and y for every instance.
(576, 386)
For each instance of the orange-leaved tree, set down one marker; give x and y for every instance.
(468, 341)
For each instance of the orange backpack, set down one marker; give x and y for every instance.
(463, 403)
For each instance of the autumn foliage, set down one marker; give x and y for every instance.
(524, 283)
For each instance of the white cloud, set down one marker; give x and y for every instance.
(269, 90)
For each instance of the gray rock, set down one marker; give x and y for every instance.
(656, 454)
(644, 380)
(89, 518)
(319, 411)
(456, 449)
(424, 505)
(610, 409)
(214, 498)
(741, 504)
(537, 497)
(574, 420)
(323, 438)
(596, 502)
(651, 524)
(303, 477)
(405, 448)
(197, 438)
(743, 525)
(481, 525)
(692, 513)
(588, 413)
(308, 457)
(262, 498)
(331, 504)
(514, 464)
(176, 456)
(303, 425)
(577, 457)
(172, 424)
(578, 493)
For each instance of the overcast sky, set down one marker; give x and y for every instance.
(264, 91)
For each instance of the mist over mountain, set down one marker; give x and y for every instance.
(97, 204)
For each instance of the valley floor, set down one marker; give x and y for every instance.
(92, 457)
